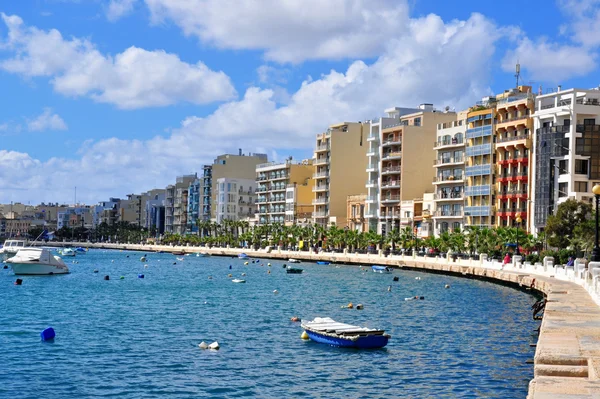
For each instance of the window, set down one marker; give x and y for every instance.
(417, 121)
(456, 226)
(581, 167)
(562, 189)
(590, 121)
(581, 186)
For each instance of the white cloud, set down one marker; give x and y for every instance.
(550, 62)
(291, 30)
(3, 127)
(432, 61)
(46, 121)
(135, 78)
(585, 20)
(117, 9)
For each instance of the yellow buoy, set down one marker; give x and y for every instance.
(350, 305)
(246, 263)
(229, 275)
(304, 335)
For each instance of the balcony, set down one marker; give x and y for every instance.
(373, 153)
(373, 137)
(478, 170)
(448, 161)
(522, 139)
(321, 214)
(371, 198)
(322, 147)
(514, 161)
(481, 131)
(512, 213)
(448, 143)
(512, 121)
(480, 210)
(371, 183)
(372, 167)
(481, 149)
(449, 196)
(390, 184)
(321, 161)
(392, 155)
(390, 170)
(390, 198)
(390, 215)
(512, 194)
(279, 176)
(448, 179)
(372, 214)
(471, 191)
(448, 213)
(320, 188)
(320, 175)
(394, 141)
(279, 187)
(320, 201)
(512, 177)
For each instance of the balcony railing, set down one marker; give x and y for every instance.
(449, 212)
(443, 143)
(478, 190)
(484, 210)
(390, 198)
(478, 170)
(449, 179)
(390, 183)
(391, 169)
(320, 175)
(321, 161)
(452, 195)
(480, 131)
(444, 161)
(388, 142)
(318, 201)
(371, 182)
(321, 214)
(322, 147)
(481, 149)
(323, 187)
(390, 155)
(514, 138)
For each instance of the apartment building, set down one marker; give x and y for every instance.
(339, 159)
(176, 204)
(513, 130)
(449, 164)
(154, 212)
(567, 149)
(355, 213)
(403, 163)
(298, 203)
(235, 199)
(273, 179)
(479, 154)
(105, 212)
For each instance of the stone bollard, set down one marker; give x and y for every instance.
(517, 261)
(548, 262)
(482, 258)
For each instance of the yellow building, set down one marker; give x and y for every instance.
(513, 131)
(404, 160)
(355, 213)
(298, 203)
(340, 162)
(272, 180)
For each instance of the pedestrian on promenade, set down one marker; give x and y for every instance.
(506, 260)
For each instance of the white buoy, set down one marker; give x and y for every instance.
(203, 345)
(112, 261)
(214, 346)
(243, 274)
(447, 286)
(275, 292)
(145, 266)
(417, 278)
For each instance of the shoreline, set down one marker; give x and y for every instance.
(567, 357)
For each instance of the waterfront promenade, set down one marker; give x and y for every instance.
(567, 359)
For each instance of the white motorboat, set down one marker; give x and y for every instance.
(67, 252)
(11, 247)
(292, 260)
(238, 280)
(37, 261)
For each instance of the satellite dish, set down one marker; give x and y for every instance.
(447, 108)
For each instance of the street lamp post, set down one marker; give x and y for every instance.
(518, 220)
(596, 251)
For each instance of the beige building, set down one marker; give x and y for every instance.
(340, 162)
(233, 167)
(355, 213)
(176, 204)
(272, 180)
(401, 160)
(298, 203)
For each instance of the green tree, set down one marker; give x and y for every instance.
(562, 227)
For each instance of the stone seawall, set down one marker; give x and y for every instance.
(567, 358)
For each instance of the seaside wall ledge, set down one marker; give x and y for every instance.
(567, 358)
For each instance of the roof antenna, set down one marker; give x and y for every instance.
(518, 72)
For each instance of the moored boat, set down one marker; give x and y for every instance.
(294, 270)
(328, 331)
(323, 262)
(81, 250)
(37, 261)
(238, 280)
(67, 252)
(292, 260)
(11, 247)
(203, 254)
(243, 256)
(381, 269)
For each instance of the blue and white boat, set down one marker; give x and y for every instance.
(328, 331)
(243, 256)
(80, 250)
(323, 262)
(381, 269)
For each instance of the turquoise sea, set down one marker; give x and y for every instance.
(138, 338)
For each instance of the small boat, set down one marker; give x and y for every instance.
(180, 259)
(181, 253)
(238, 280)
(37, 261)
(323, 262)
(381, 269)
(67, 252)
(328, 331)
(11, 247)
(80, 250)
(292, 260)
(243, 256)
(294, 270)
(203, 254)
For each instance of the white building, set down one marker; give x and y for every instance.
(235, 199)
(566, 150)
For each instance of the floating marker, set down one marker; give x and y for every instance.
(140, 276)
(145, 266)
(203, 345)
(214, 346)
(268, 272)
(396, 278)
(5, 267)
(95, 270)
(389, 288)
(304, 335)
(18, 281)
(122, 277)
(243, 274)
(48, 334)
(106, 278)
(359, 306)
(112, 261)
(447, 286)
(246, 263)
(275, 292)
(268, 264)
(229, 267)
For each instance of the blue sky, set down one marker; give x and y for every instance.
(120, 96)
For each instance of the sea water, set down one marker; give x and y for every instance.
(138, 338)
